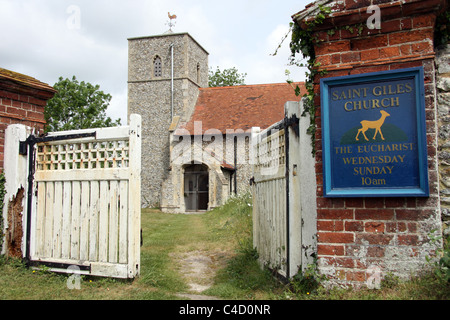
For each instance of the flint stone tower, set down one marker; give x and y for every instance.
(165, 73)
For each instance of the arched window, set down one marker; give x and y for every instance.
(157, 67)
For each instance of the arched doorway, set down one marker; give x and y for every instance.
(196, 187)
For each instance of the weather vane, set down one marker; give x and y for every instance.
(172, 21)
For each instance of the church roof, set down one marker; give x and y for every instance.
(240, 107)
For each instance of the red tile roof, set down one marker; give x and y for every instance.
(241, 107)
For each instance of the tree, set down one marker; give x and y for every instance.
(227, 77)
(77, 105)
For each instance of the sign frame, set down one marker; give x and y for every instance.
(334, 189)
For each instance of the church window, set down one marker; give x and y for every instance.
(157, 67)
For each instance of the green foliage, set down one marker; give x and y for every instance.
(442, 29)
(77, 105)
(242, 276)
(233, 221)
(308, 281)
(390, 281)
(227, 77)
(442, 270)
(302, 42)
(2, 196)
(441, 267)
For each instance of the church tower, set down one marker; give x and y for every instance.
(165, 73)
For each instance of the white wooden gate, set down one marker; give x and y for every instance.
(284, 208)
(269, 198)
(85, 201)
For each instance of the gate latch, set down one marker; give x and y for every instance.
(293, 122)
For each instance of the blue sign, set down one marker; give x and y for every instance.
(374, 135)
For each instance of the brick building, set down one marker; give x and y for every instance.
(389, 233)
(22, 100)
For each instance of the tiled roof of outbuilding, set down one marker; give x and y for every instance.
(241, 107)
(18, 82)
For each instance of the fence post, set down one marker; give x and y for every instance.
(302, 192)
(253, 161)
(293, 180)
(135, 195)
(308, 199)
(16, 186)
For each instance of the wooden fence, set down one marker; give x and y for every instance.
(284, 194)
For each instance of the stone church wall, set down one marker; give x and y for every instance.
(218, 155)
(443, 105)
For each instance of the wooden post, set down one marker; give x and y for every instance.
(16, 174)
(135, 195)
(302, 199)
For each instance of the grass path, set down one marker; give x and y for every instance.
(197, 256)
(180, 258)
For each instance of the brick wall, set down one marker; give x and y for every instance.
(389, 233)
(22, 100)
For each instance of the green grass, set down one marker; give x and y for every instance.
(242, 277)
(226, 230)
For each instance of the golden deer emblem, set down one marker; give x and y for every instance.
(373, 125)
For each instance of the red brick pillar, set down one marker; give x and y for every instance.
(22, 101)
(359, 235)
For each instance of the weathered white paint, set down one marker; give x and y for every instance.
(87, 199)
(269, 196)
(284, 245)
(306, 194)
(15, 169)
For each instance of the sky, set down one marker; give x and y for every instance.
(48, 39)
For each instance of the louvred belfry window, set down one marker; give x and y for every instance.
(157, 67)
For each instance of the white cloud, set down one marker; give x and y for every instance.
(118, 106)
(278, 41)
(264, 66)
(274, 39)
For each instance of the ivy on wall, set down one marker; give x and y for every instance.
(442, 29)
(302, 42)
